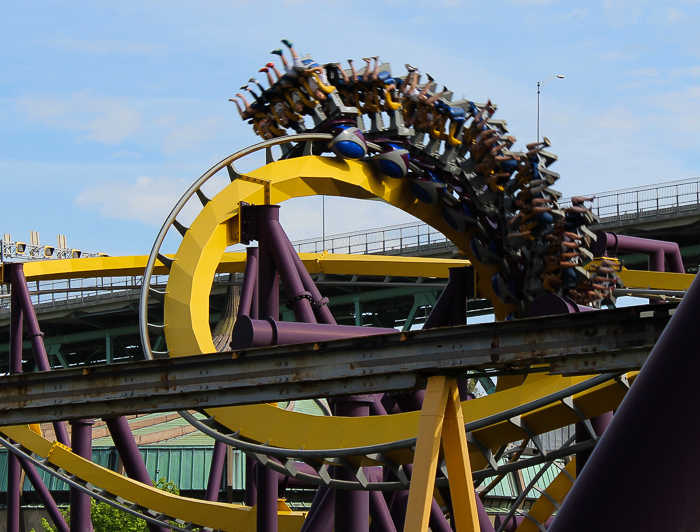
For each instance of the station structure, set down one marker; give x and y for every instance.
(341, 385)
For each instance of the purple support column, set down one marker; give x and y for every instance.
(442, 311)
(629, 467)
(458, 302)
(79, 501)
(249, 333)
(437, 522)
(484, 522)
(351, 507)
(376, 408)
(319, 303)
(13, 494)
(216, 471)
(267, 499)
(410, 401)
(44, 496)
(298, 299)
(130, 456)
(249, 301)
(268, 280)
(599, 424)
(251, 490)
(378, 509)
(320, 517)
(36, 337)
(13, 465)
(659, 251)
(16, 320)
(268, 306)
(248, 306)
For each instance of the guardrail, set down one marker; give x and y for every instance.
(642, 202)
(402, 239)
(392, 240)
(60, 292)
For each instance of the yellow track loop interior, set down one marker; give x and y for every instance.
(187, 301)
(231, 518)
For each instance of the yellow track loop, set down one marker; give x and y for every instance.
(231, 518)
(543, 508)
(187, 301)
(292, 430)
(187, 315)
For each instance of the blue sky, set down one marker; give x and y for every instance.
(108, 111)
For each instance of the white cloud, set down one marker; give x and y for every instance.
(645, 72)
(147, 200)
(192, 134)
(674, 15)
(93, 117)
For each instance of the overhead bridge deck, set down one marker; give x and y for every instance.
(587, 343)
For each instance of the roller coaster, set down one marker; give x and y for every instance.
(398, 453)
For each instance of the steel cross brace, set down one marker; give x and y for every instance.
(441, 420)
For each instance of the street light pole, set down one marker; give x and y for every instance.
(540, 85)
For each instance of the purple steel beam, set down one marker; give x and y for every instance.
(440, 315)
(268, 280)
(251, 490)
(13, 466)
(248, 300)
(16, 320)
(268, 306)
(298, 299)
(458, 302)
(267, 495)
(249, 333)
(390, 405)
(351, 507)
(215, 472)
(80, 502)
(437, 522)
(658, 250)
(131, 457)
(376, 408)
(44, 495)
(451, 306)
(320, 516)
(36, 337)
(248, 306)
(378, 509)
(14, 472)
(629, 467)
(318, 302)
(599, 424)
(410, 401)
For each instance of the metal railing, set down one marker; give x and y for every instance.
(642, 202)
(402, 239)
(392, 240)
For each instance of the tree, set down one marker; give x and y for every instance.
(107, 518)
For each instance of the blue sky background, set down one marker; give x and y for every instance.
(108, 111)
